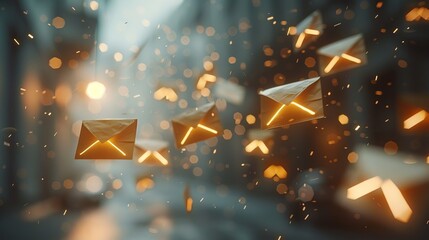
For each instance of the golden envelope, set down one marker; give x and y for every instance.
(342, 55)
(197, 125)
(152, 152)
(413, 113)
(378, 175)
(275, 171)
(291, 103)
(307, 31)
(260, 142)
(107, 139)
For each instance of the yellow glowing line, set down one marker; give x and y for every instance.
(116, 148)
(364, 188)
(189, 204)
(263, 147)
(396, 201)
(415, 119)
(207, 128)
(311, 31)
(186, 135)
(160, 158)
(300, 40)
(251, 146)
(303, 108)
(144, 156)
(257, 143)
(275, 115)
(89, 147)
(331, 64)
(351, 58)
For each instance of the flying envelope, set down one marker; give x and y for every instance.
(342, 55)
(196, 125)
(259, 142)
(378, 173)
(275, 172)
(291, 103)
(154, 152)
(307, 31)
(107, 139)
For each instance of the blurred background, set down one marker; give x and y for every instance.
(67, 61)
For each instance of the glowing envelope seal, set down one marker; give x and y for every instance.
(377, 172)
(107, 139)
(259, 142)
(308, 31)
(291, 103)
(196, 125)
(342, 55)
(153, 152)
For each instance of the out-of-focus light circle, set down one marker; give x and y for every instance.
(58, 22)
(250, 119)
(118, 56)
(55, 63)
(306, 193)
(103, 47)
(390, 148)
(343, 119)
(95, 90)
(94, 184)
(93, 5)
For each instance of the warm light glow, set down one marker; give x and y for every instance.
(300, 40)
(311, 31)
(144, 183)
(58, 22)
(364, 188)
(186, 135)
(397, 203)
(207, 128)
(275, 115)
(417, 13)
(93, 184)
(95, 90)
(116, 148)
(303, 108)
(202, 81)
(144, 156)
(168, 93)
(415, 119)
(160, 158)
(351, 58)
(84, 151)
(156, 154)
(343, 119)
(189, 204)
(257, 143)
(55, 63)
(331, 64)
(275, 170)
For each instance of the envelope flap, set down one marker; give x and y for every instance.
(374, 162)
(312, 21)
(104, 129)
(192, 117)
(341, 46)
(256, 134)
(151, 145)
(287, 93)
